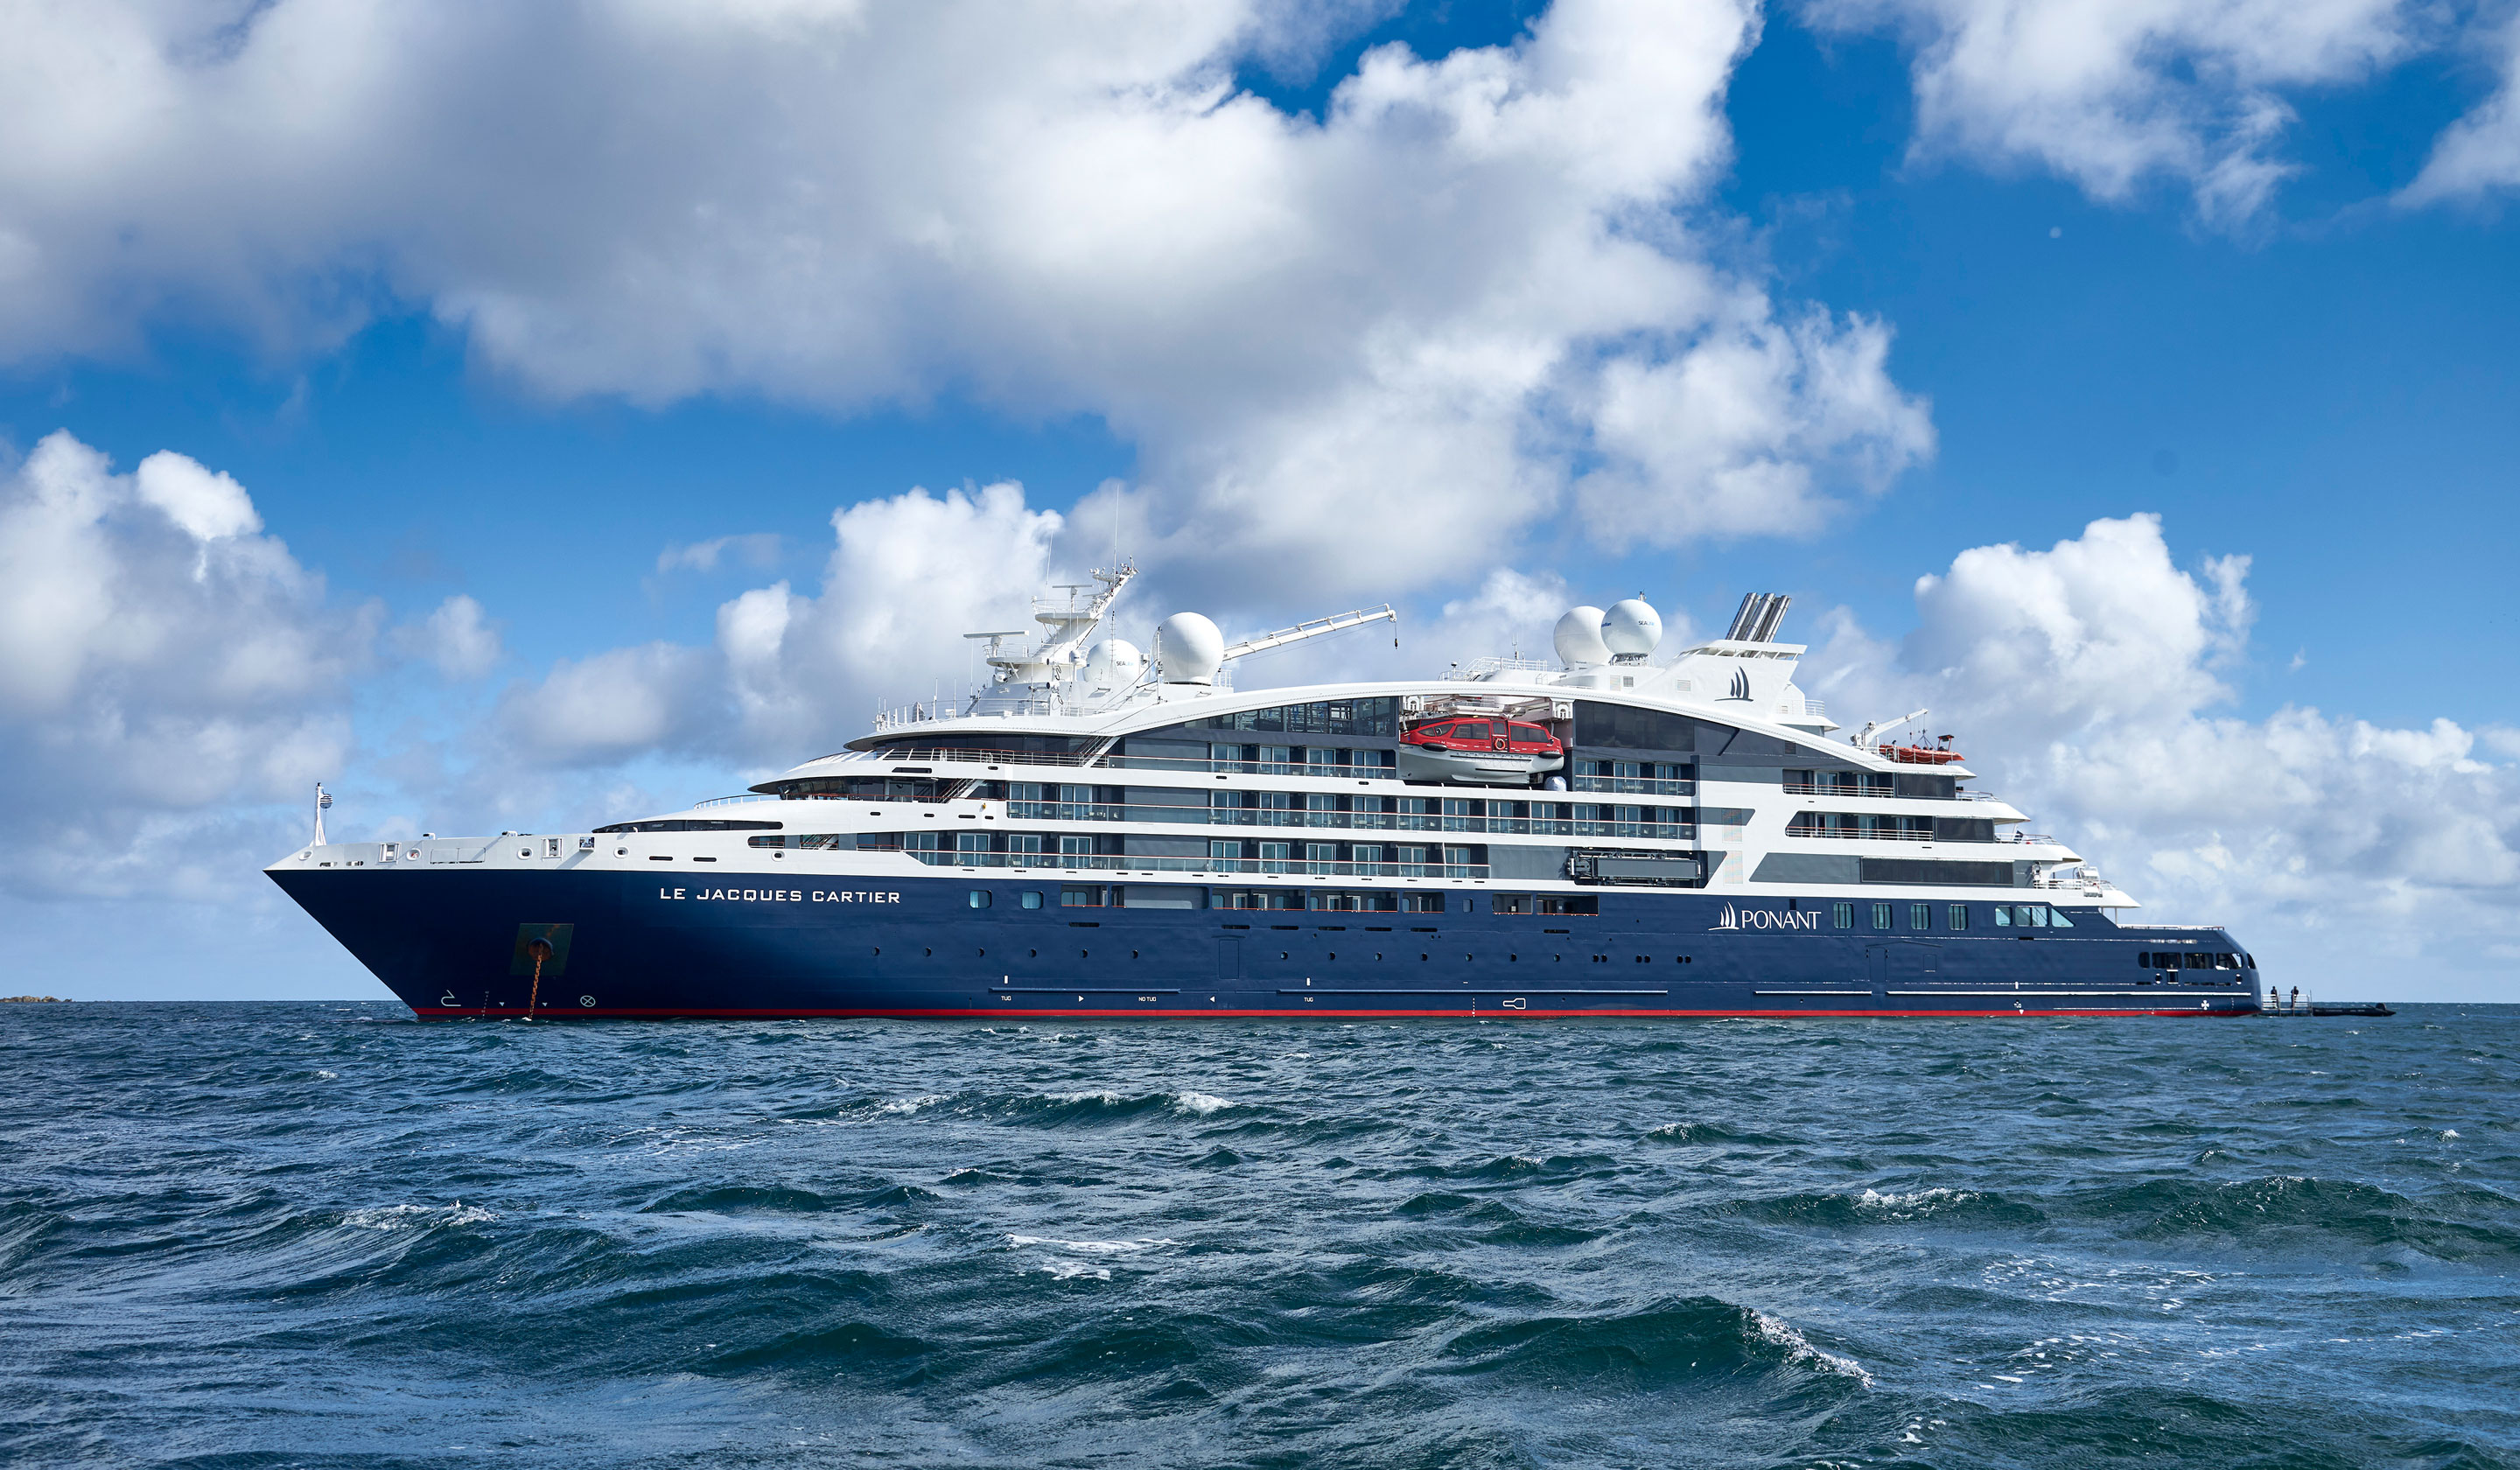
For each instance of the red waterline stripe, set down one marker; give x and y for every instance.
(458, 1014)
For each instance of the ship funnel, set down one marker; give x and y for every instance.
(1188, 650)
(1578, 638)
(1630, 629)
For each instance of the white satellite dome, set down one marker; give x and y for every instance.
(1631, 628)
(1188, 650)
(1579, 637)
(1115, 662)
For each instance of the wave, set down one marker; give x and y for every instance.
(1671, 1344)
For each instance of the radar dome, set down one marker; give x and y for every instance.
(1114, 663)
(1632, 628)
(1188, 650)
(1579, 637)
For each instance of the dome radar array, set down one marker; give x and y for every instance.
(1626, 634)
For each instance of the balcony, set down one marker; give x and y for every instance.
(1053, 862)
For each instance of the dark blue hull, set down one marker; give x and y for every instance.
(455, 944)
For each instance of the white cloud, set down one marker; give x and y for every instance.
(907, 576)
(2479, 153)
(164, 670)
(1365, 350)
(459, 639)
(2085, 683)
(2114, 93)
(758, 549)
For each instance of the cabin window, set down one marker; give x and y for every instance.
(1584, 903)
(1881, 915)
(1920, 915)
(981, 898)
(1843, 915)
(1959, 916)
(1083, 896)
(1032, 899)
(1511, 903)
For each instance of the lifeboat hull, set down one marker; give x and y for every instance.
(1475, 768)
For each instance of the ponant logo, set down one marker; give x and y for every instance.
(1741, 684)
(1763, 918)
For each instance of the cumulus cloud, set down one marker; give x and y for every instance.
(164, 668)
(2480, 154)
(2113, 94)
(458, 638)
(1365, 349)
(2085, 682)
(905, 577)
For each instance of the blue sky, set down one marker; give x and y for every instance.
(2317, 377)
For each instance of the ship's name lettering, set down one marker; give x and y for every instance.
(1770, 918)
(780, 895)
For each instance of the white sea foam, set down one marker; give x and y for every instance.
(1083, 1258)
(909, 1106)
(1091, 1247)
(1874, 1199)
(417, 1217)
(1107, 1098)
(1202, 1104)
(1798, 1349)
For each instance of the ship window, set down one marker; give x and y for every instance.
(1881, 915)
(1920, 915)
(1959, 916)
(1032, 899)
(2035, 914)
(2003, 915)
(981, 898)
(1843, 915)
(1587, 904)
(2057, 917)
(1081, 896)
(1511, 903)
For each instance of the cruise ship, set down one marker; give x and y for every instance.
(1097, 832)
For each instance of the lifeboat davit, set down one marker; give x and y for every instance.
(1479, 750)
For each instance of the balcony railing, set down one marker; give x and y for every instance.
(1374, 821)
(1638, 784)
(1228, 867)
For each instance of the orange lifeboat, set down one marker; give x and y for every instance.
(1938, 754)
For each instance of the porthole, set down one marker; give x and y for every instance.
(1281, 954)
(932, 954)
(878, 949)
(1421, 957)
(1084, 953)
(1333, 953)
(1032, 954)
(1133, 953)
(1511, 959)
(985, 954)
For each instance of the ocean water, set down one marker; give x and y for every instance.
(325, 1235)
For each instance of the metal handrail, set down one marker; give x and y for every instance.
(728, 801)
(1117, 863)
